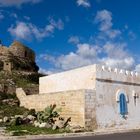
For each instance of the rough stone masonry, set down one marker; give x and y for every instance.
(17, 57)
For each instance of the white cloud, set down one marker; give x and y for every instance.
(17, 3)
(137, 68)
(126, 27)
(115, 50)
(126, 63)
(84, 3)
(27, 18)
(14, 15)
(21, 31)
(111, 54)
(132, 35)
(85, 54)
(74, 40)
(117, 56)
(44, 71)
(47, 57)
(113, 33)
(27, 31)
(59, 24)
(87, 51)
(104, 18)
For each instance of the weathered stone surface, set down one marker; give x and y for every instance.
(21, 116)
(60, 123)
(48, 125)
(70, 105)
(76, 129)
(31, 118)
(11, 102)
(17, 57)
(36, 123)
(54, 127)
(5, 119)
(42, 125)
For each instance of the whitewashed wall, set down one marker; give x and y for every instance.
(108, 83)
(81, 78)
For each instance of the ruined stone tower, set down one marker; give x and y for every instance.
(17, 57)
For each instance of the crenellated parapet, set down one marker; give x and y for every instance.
(114, 74)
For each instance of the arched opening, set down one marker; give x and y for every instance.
(123, 104)
(122, 99)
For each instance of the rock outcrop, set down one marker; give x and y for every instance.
(17, 57)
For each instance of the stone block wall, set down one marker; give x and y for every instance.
(72, 103)
(90, 110)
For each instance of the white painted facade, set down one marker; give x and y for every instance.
(109, 84)
(95, 97)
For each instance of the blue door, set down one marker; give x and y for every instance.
(123, 105)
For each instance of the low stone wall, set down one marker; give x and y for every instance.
(72, 103)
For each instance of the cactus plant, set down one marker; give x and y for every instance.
(48, 114)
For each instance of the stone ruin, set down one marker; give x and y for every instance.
(17, 57)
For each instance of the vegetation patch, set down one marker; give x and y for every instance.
(22, 121)
(32, 130)
(7, 110)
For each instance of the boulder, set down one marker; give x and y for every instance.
(6, 119)
(42, 125)
(11, 102)
(54, 127)
(48, 125)
(26, 121)
(36, 123)
(60, 123)
(76, 129)
(16, 116)
(32, 118)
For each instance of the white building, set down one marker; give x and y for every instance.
(95, 96)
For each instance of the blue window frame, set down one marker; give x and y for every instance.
(123, 105)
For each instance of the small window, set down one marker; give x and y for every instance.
(123, 104)
(25, 53)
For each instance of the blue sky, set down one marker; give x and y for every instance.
(66, 34)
